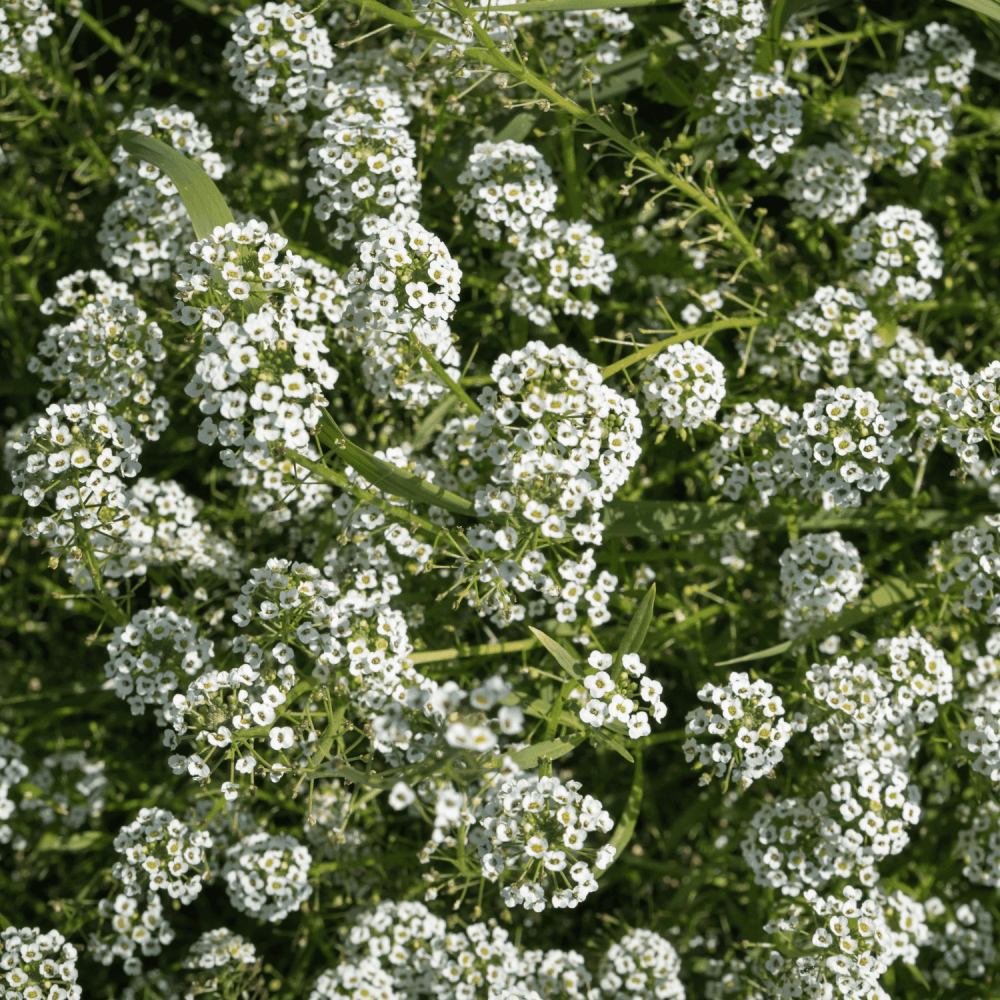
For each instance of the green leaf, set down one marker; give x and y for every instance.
(990, 8)
(635, 634)
(550, 749)
(386, 477)
(561, 6)
(888, 596)
(567, 660)
(770, 44)
(202, 199)
(626, 825)
(610, 743)
(86, 840)
(519, 127)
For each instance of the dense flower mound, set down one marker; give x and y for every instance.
(38, 966)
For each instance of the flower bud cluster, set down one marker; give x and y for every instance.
(761, 106)
(606, 700)
(278, 58)
(748, 719)
(38, 966)
(22, 24)
(509, 187)
(897, 252)
(148, 931)
(161, 853)
(534, 829)
(820, 574)
(267, 876)
(683, 386)
(146, 230)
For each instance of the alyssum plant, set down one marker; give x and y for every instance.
(472, 616)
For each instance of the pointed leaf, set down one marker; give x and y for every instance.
(626, 825)
(560, 654)
(550, 749)
(635, 634)
(990, 8)
(610, 743)
(202, 199)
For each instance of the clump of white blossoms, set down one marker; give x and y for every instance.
(405, 289)
(586, 37)
(839, 447)
(763, 107)
(897, 253)
(820, 575)
(22, 24)
(38, 966)
(532, 831)
(723, 34)
(131, 929)
(366, 173)
(978, 843)
(747, 718)
(72, 787)
(218, 948)
(605, 699)
(828, 182)
(13, 771)
(267, 876)
(967, 566)
(509, 187)
(822, 334)
(161, 853)
(944, 52)
(641, 966)
(146, 230)
(278, 58)
(683, 386)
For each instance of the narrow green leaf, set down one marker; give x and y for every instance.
(86, 840)
(988, 7)
(562, 6)
(560, 654)
(626, 825)
(550, 749)
(635, 634)
(610, 743)
(386, 477)
(519, 127)
(888, 596)
(770, 45)
(202, 199)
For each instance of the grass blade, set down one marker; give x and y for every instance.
(560, 654)
(635, 634)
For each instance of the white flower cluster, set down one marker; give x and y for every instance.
(22, 24)
(147, 930)
(641, 966)
(762, 106)
(161, 853)
(820, 574)
(723, 32)
(901, 252)
(332, 827)
(904, 121)
(823, 332)
(278, 58)
(828, 182)
(945, 52)
(405, 288)
(509, 187)
(267, 876)
(966, 566)
(683, 386)
(38, 966)
(145, 655)
(844, 432)
(13, 771)
(963, 934)
(72, 787)
(145, 231)
(607, 700)
(587, 36)
(534, 829)
(366, 172)
(402, 951)
(218, 949)
(978, 844)
(747, 718)
(551, 263)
